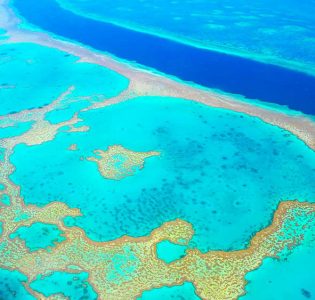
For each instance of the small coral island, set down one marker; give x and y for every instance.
(117, 162)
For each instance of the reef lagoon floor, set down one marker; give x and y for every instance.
(120, 182)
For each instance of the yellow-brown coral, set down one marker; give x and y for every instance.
(117, 162)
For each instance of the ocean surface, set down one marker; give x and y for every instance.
(228, 73)
(280, 31)
(290, 279)
(23, 79)
(209, 171)
(222, 171)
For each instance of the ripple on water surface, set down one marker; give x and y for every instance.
(222, 171)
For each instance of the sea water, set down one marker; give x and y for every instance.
(11, 287)
(181, 292)
(74, 286)
(224, 172)
(229, 73)
(39, 236)
(26, 84)
(277, 31)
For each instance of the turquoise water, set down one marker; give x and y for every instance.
(289, 279)
(5, 200)
(23, 77)
(16, 130)
(170, 252)
(222, 171)
(277, 31)
(2, 152)
(212, 69)
(3, 35)
(39, 236)
(64, 114)
(74, 286)
(182, 292)
(11, 287)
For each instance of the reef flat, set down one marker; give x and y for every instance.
(206, 153)
(229, 184)
(227, 73)
(146, 83)
(27, 60)
(117, 162)
(126, 267)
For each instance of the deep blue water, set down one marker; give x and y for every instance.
(208, 68)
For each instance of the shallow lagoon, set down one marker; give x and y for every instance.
(16, 130)
(170, 252)
(290, 279)
(39, 236)
(11, 287)
(26, 68)
(222, 171)
(74, 286)
(182, 292)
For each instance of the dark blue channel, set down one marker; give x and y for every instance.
(228, 73)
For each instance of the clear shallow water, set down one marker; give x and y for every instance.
(16, 130)
(222, 171)
(26, 68)
(74, 286)
(39, 236)
(3, 35)
(5, 200)
(170, 252)
(182, 292)
(211, 69)
(11, 287)
(64, 114)
(290, 279)
(280, 31)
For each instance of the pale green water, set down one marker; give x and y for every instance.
(2, 152)
(122, 266)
